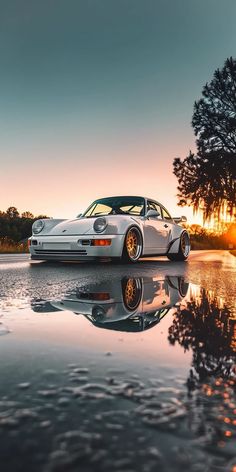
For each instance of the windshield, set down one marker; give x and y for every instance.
(116, 206)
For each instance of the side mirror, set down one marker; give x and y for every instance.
(180, 219)
(152, 214)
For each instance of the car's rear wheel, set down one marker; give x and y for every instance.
(133, 245)
(184, 249)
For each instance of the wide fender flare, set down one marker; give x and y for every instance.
(174, 244)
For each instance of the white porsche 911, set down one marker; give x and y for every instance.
(115, 227)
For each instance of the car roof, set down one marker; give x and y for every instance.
(128, 196)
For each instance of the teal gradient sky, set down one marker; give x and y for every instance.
(97, 96)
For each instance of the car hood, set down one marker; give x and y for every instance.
(116, 224)
(70, 227)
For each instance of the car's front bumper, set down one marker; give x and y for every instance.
(74, 248)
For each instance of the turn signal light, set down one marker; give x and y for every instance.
(29, 242)
(101, 242)
(100, 296)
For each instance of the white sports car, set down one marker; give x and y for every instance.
(115, 227)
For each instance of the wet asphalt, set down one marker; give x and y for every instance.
(144, 392)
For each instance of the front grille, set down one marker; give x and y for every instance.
(60, 252)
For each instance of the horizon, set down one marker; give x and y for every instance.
(197, 218)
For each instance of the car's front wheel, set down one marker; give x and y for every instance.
(184, 249)
(132, 292)
(133, 245)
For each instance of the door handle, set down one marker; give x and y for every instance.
(165, 226)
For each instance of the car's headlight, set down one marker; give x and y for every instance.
(99, 225)
(38, 226)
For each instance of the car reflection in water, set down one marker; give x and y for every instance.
(131, 304)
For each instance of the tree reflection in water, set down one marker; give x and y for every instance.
(208, 327)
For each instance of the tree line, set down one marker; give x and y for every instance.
(203, 238)
(16, 227)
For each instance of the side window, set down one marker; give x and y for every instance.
(132, 209)
(166, 215)
(154, 206)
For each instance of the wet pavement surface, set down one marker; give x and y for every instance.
(110, 366)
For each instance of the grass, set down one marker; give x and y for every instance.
(13, 248)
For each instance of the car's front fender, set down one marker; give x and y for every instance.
(49, 224)
(121, 224)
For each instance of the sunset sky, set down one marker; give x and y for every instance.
(97, 96)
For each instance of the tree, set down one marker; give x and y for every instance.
(15, 227)
(12, 212)
(41, 217)
(209, 331)
(27, 214)
(214, 117)
(207, 180)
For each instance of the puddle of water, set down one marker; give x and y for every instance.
(132, 373)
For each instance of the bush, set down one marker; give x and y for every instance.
(8, 246)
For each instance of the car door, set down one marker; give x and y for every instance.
(168, 221)
(156, 231)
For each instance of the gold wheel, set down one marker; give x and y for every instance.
(133, 244)
(132, 291)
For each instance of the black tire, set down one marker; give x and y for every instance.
(184, 249)
(133, 245)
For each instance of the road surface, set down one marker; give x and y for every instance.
(124, 367)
